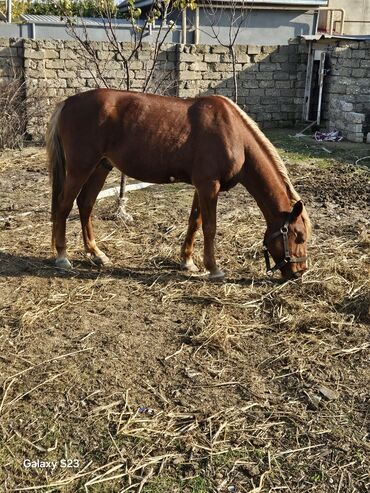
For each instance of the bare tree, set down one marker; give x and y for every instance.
(237, 13)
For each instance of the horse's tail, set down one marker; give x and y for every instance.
(57, 169)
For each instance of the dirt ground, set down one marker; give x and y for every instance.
(143, 378)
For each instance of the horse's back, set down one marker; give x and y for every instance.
(98, 105)
(151, 137)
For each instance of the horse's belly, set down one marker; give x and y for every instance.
(153, 176)
(155, 171)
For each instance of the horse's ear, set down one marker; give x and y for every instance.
(297, 210)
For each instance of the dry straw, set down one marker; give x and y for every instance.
(251, 384)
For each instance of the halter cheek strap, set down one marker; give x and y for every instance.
(288, 259)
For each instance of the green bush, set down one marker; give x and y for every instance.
(82, 8)
(19, 7)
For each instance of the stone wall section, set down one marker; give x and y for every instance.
(11, 59)
(55, 70)
(62, 68)
(349, 122)
(270, 79)
(346, 98)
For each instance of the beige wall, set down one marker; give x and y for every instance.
(357, 16)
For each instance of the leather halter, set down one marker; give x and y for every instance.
(288, 259)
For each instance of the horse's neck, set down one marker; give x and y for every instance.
(264, 182)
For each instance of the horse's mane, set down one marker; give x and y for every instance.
(275, 159)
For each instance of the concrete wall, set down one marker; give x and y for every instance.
(259, 27)
(56, 30)
(357, 18)
(15, 30)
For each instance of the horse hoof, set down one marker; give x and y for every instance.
(189, 266)
(63, 263)
(218, 275)
(101, 260)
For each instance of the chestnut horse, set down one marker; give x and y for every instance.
(208, 142)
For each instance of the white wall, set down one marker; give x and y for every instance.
(357, 19)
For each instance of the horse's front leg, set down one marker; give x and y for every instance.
(208, 196)
(187, 249)
(85, 201)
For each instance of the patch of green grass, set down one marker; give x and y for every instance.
(228, 459)
(318, 477)
(260, 453)
(321, 154)
(198, 484)
(161, 484)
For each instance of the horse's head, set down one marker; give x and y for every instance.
(287, 244)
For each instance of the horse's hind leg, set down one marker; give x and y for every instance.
(208, 196)
(71, 188)
(85, 201)
(195, 221)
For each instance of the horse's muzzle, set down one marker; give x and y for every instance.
(297, 274)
